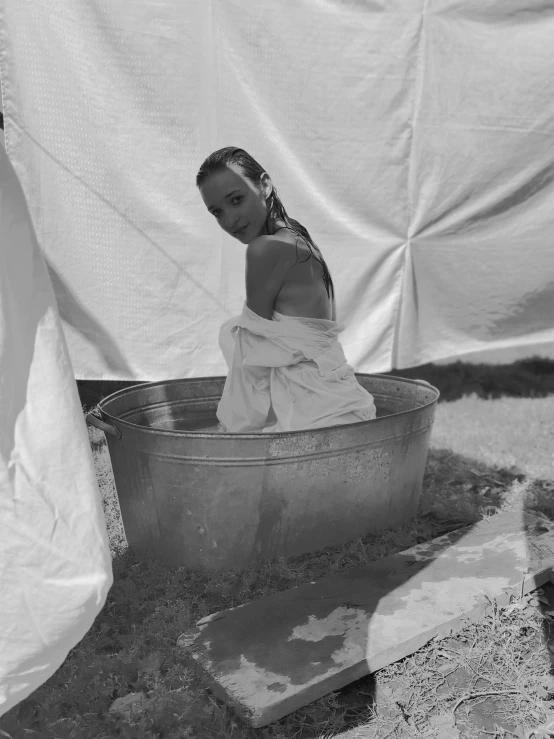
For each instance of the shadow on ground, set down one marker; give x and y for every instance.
(527, 378)
(488, 715)
(131, 646)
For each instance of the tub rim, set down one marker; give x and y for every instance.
(249, 435)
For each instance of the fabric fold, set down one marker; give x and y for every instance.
(287, 374)
(55, 564)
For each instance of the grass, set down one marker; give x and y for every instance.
(526, 378)
(487, 455)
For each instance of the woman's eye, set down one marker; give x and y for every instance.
(237, 197)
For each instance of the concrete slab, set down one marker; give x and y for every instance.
(271, 656)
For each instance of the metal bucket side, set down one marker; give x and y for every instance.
(212, 506)
(165, 401)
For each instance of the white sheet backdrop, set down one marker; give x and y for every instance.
(55, 566)
(413, 138)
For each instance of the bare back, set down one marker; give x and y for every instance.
(303, 292)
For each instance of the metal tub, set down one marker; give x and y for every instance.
(212, 502)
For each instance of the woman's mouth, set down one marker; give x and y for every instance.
(241, 231)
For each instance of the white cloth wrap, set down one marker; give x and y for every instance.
(294, 366)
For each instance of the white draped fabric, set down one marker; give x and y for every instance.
(55, 565)
(413, 138)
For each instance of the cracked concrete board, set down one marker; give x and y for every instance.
(269, 657)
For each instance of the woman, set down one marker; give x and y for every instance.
(287, 369)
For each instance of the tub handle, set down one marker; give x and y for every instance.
(105, 427)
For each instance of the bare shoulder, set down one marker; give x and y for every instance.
(268, 248)
(259, 245)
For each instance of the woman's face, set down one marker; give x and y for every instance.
(236, 203)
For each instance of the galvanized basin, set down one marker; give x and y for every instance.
(212, 502)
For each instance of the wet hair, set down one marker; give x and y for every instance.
(253, 171)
